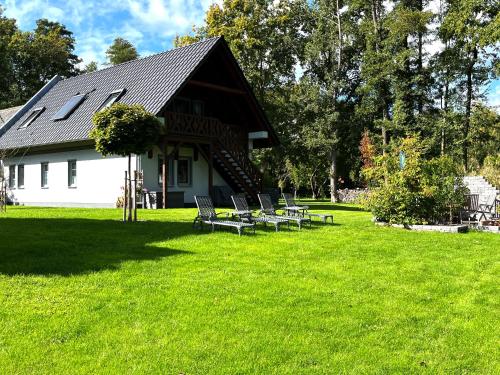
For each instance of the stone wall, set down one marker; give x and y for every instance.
(351, 195)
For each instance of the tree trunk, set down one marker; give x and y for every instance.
(445, 107)
(468, 106)
(420, 95)
(129, 218)
(333, 176)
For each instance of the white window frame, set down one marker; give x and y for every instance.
(19, 168)
(42, 185)
(72, 181)
(12, 176)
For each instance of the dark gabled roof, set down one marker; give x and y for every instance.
(151, 81)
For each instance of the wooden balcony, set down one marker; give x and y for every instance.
(202, 129)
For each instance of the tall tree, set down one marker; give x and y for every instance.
(121, 51)
(332, 61)
(39, 55)
(471, 29)
(7, 29)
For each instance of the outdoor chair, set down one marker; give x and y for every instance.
(292, 208)
(207, 215)
(488, 208)
(470, 212)
(243, 212)
(267, 210)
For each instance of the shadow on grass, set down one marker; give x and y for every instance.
(75, 246)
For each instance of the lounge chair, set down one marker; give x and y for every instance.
(470, 213)
(243, 212)
(207, 215)
(267, 210)
(294, 209)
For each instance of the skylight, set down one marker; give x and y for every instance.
(32, 117)
(111, 99)
(69, 107)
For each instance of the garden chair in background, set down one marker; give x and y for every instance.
(470, 214)
(207, 215)
(243, 212)
(292, 208)
(488, 207)
(267, 210)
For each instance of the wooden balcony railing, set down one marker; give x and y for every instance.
(180, 124)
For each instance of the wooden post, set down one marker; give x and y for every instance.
(125, 198)
(129, 216)
(135, 195)
(210, 168)
(164, 180)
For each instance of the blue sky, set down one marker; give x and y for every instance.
(150, 25)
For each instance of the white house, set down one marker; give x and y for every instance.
(211, 118)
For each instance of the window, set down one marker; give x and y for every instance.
(182, 105)
(111, 99)
(170, 171)
(20, 176)
(198, 108)
(31, 117)
(12, 176)
(71, 173)
(69, 107)
(184, 172)
(45, 175)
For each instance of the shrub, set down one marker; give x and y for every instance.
(421, 192)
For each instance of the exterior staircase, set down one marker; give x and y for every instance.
(480, 186)
(238, 171)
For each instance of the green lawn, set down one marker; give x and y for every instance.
(81, 292)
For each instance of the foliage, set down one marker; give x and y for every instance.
(124, 129)
(423, 191)
(367, 150)
(120, 51)
(159, 298)
(491, 169)
(29, 59)
(91, 67)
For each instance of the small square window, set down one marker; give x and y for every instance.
(12, 176)
(20, 176)
(44, 175)
(71, 173)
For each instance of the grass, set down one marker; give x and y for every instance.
(81, 292)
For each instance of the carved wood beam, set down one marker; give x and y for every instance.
(213, 86)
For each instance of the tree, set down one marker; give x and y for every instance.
(470, 27)
(39, 55)
(121, 51)
(332, 62)
(90, 67)
(7, 29)
(125, 130)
